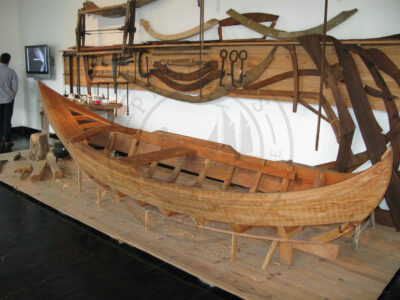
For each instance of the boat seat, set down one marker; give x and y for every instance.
(145, 158)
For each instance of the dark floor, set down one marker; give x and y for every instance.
(47, 255)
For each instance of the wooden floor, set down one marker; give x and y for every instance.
(356, 274)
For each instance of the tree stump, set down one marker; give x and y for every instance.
(38, 146)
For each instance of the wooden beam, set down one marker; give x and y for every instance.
(327, 251)
(146, 220)
(202, 175)
(38, 172)
(228, 178)
(100, 194)
(199, 221)
(239, 228)
(177, 170)
(110, 144)
(320, 180)
(145, 158)
(285, 253)
(269, 255)
(79, 179)
(55, 169)
(166, 212)
(335, 233)
(233, 247)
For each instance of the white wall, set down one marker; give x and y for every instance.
(266, 129)
(10, 43)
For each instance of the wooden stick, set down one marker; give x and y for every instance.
(269, 255)
(202, 175)
(79, 180)
(99, 196)
(335, 233)
(146, 220)
(234, 247)
(177, 170)
(228, 179)
(293, 58)
(321, 82)
(152, 168)
(132, 147)
(372, 217)
(110, 143)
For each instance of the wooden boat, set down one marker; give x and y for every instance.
(210, 181)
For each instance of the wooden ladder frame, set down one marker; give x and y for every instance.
(129, 28)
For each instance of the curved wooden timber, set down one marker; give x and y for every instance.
(189, 86)
(256, 17)
(215, 182)
(208, 67)
(284, 35)
(177, 36)
(217, 93)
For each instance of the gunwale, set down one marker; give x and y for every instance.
(347, 201)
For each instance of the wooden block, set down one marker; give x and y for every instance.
(38, 146)
(167, 212)
(328, 251)
(285, 253)
(38, 172)
(57, 173)
(141, 203)
(200, 221)
(239, 228)
(2, 162)
(24, 169)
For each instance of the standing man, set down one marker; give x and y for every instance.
(8, 90)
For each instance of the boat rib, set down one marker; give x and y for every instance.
(177, 36)
(284, 35)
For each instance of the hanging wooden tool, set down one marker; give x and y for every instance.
(321, 81)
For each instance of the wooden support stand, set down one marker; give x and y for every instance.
(40, 168)
(24, 170)
(38, 146)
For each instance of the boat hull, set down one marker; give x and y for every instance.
(350, 200)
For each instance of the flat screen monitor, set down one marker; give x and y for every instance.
(37, 60)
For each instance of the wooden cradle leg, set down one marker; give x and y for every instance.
(269, 255)
(285, 253)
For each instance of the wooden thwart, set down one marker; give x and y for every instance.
(145, 158)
